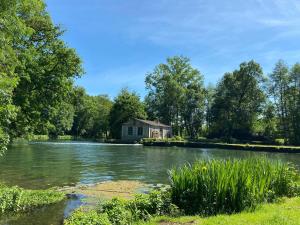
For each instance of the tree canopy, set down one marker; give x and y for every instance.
(176, 95)
(127, 105)
(238, 102)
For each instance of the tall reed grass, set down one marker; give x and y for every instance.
(219, 186)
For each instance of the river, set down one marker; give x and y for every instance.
(41, 165)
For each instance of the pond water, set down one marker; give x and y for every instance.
(46, 164)
(40, 165)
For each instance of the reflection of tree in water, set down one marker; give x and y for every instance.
(39, 166)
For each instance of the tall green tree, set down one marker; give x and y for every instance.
(294, 104)
(11, 28)
(209, 100)
(238, 102)
(176, 95)
(127, 105)
(279, 87)
(46, 72)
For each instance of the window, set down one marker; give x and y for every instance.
(130, 131)
(140, 131)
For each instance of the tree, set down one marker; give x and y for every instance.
(45, 74)
(127, 105)
(91, 117)
(176, 95)
(11, 29)
(238, 102)
(294, 104)
(101, 124)
(209, 99)
(279, 87)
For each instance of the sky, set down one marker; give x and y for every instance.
(121, 41)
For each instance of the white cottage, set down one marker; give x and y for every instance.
(136, 129)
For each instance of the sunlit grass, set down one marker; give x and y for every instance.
(286, 212)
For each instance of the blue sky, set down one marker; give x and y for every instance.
(120, 41)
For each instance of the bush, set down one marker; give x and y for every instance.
(124, 212)
(117, 211)
(156, 203)
(219, 186)
(80, 217)
(16, 199)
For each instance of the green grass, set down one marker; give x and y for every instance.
(15, 199)
(286, 212)
(229, 186)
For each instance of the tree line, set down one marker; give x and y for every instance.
(38, 95)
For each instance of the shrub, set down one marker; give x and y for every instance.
(142, 207)
(156, 203)
(80, 217)
(117, 211)
(16, 199)
(219, 186)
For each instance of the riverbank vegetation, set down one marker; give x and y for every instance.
(15, 199)
(38, 95)
(206, 188)
(204, 143)
(284, 212)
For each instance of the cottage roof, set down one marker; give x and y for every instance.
(152, 123)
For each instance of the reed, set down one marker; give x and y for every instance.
(210, 187)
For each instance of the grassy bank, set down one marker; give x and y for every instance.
(15, 199)
(286, 212)
(207, 144)
(207, 188)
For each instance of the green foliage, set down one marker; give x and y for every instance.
(218, 186)
(238, 102)
(117, 212)
(126, 212)
(176, 95)
(10, 28)
(142, 207)
(80, 217)
(285, 90)
(91, 114)
(45, 73)
(15, 199)
(127, 105)
(145, 206)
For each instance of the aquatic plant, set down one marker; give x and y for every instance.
(15, 199)
(210, 187)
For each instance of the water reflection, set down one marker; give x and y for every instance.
(47, 164)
